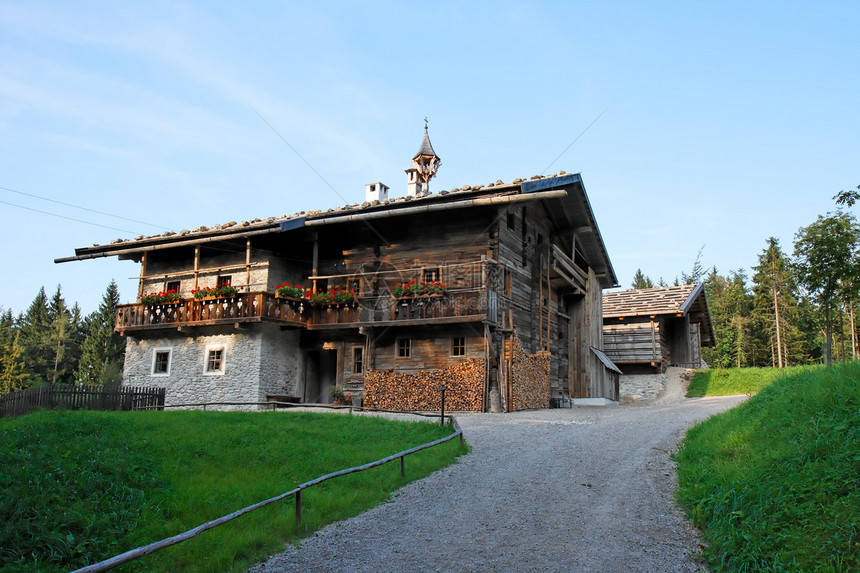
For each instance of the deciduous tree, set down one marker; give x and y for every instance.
(824, 255)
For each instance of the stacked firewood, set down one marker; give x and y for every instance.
(530, 386)
(398, 391)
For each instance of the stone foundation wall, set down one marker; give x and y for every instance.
(397, 391)
(641, 386)
(530, 387)
(257, 362)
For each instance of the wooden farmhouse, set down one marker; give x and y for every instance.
(647, 330)
(494, 291)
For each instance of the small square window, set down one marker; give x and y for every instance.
(224, 280)
(458, 346)
(215, 361)
(161, 362)
(404, 347)
(431, 275)
(357, 360)
(355, 286)
(173, 286)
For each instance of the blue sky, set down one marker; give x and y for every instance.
(725, 123)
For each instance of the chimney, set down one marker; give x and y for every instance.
(375, 192)
(415, 185)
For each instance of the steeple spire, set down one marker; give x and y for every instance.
(424, 166)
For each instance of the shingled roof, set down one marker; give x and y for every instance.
(651, 301)
(661, 301)
(574, 210)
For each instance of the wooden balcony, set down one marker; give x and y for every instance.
(467, 305)
(243, 308)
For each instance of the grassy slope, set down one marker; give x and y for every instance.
(732, 381)
(773, 483)
(77, 487)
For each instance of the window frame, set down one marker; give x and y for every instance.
(155, 352)
(408, 348)
(206, 360)
(461, 347)
(167, 285)
(221, 280)
(357, 352)
(437, 271)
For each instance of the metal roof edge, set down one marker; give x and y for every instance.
(606, 360)
(610, 268)
(691, 298)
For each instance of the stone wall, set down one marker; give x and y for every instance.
(393, 390)
(641, 386)
(530, 384)
(258, 361)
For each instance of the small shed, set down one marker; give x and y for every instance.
(648, 330)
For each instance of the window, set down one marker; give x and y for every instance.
(458, 346)
(512, 221)
(173, 285)
(214, 361)
(161, 362)
(357, 360)
(404, 347)
(431, 275)
(224, 280)
(355, 286)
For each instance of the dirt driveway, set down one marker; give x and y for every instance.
(582, 489)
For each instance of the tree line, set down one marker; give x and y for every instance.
(52, 343)
(795, 309)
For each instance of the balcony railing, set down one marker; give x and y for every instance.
(247, 307)
(464, 305)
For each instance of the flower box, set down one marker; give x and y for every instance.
(161, 298)
(215, 293)
(414, 289)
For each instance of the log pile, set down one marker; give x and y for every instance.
(530, 385)
(393, 390)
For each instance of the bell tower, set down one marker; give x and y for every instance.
(424, 166)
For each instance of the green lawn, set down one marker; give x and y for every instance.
(775, 482)
(732, 381)
(78, 487)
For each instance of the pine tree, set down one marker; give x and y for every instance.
(775, 305)
(13, 374)
(729, 304)
(34, 338)
(62, 339)
(641, 281)
(102, 352)
(696, 273)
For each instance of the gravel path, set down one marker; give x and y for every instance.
(581, 489)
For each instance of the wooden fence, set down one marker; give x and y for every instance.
(80, 397)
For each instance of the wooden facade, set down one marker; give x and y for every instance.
(521, 263)
(648, 330)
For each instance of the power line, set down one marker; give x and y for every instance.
(81, 208)
(69, 218)
(575, 140)
(369, 226)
